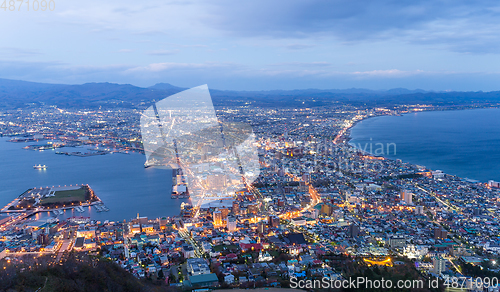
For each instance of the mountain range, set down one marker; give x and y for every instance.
(16, 93)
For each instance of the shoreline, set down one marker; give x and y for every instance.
(349, 137)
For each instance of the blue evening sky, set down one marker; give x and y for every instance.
(257, 44)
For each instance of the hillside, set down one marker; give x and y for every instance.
(78, 273)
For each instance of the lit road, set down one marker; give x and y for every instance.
(347, 125)
(439, 200)
(67, 244)
(198, 250)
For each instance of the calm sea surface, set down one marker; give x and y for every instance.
(120, 180)
(464, 143)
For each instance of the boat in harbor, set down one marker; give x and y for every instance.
(101, 208)
(39, 166)
(57, 212)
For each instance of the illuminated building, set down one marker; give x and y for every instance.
(407, 197)
(326, 209)
(217, 215)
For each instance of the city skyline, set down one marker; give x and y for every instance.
(216, 144)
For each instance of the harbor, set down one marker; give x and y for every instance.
(56, 202)
(146, 190)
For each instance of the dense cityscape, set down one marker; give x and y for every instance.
(271, 146)
(319, 208)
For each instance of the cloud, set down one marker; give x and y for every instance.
(12, 52)
(167, 66)
(298, 46)
(162, 52)
(460, 25)
(387, 73)
(475, 34)
(303, 64)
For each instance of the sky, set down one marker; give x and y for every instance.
(255, 45)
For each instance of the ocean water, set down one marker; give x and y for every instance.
(120, 180)
(465, 143)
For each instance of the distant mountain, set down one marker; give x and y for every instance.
(403, 91)
(19, 93)
(7, 85)
(166, 86)
(14, 93)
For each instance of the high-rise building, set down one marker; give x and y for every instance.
(261, 227)
(231, 224)
(419, 210)
(217, 216)
(439, 265)
(407, 197)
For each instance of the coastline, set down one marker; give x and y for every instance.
(438, 109)
(348, 137)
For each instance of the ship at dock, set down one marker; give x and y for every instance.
(179, 185)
